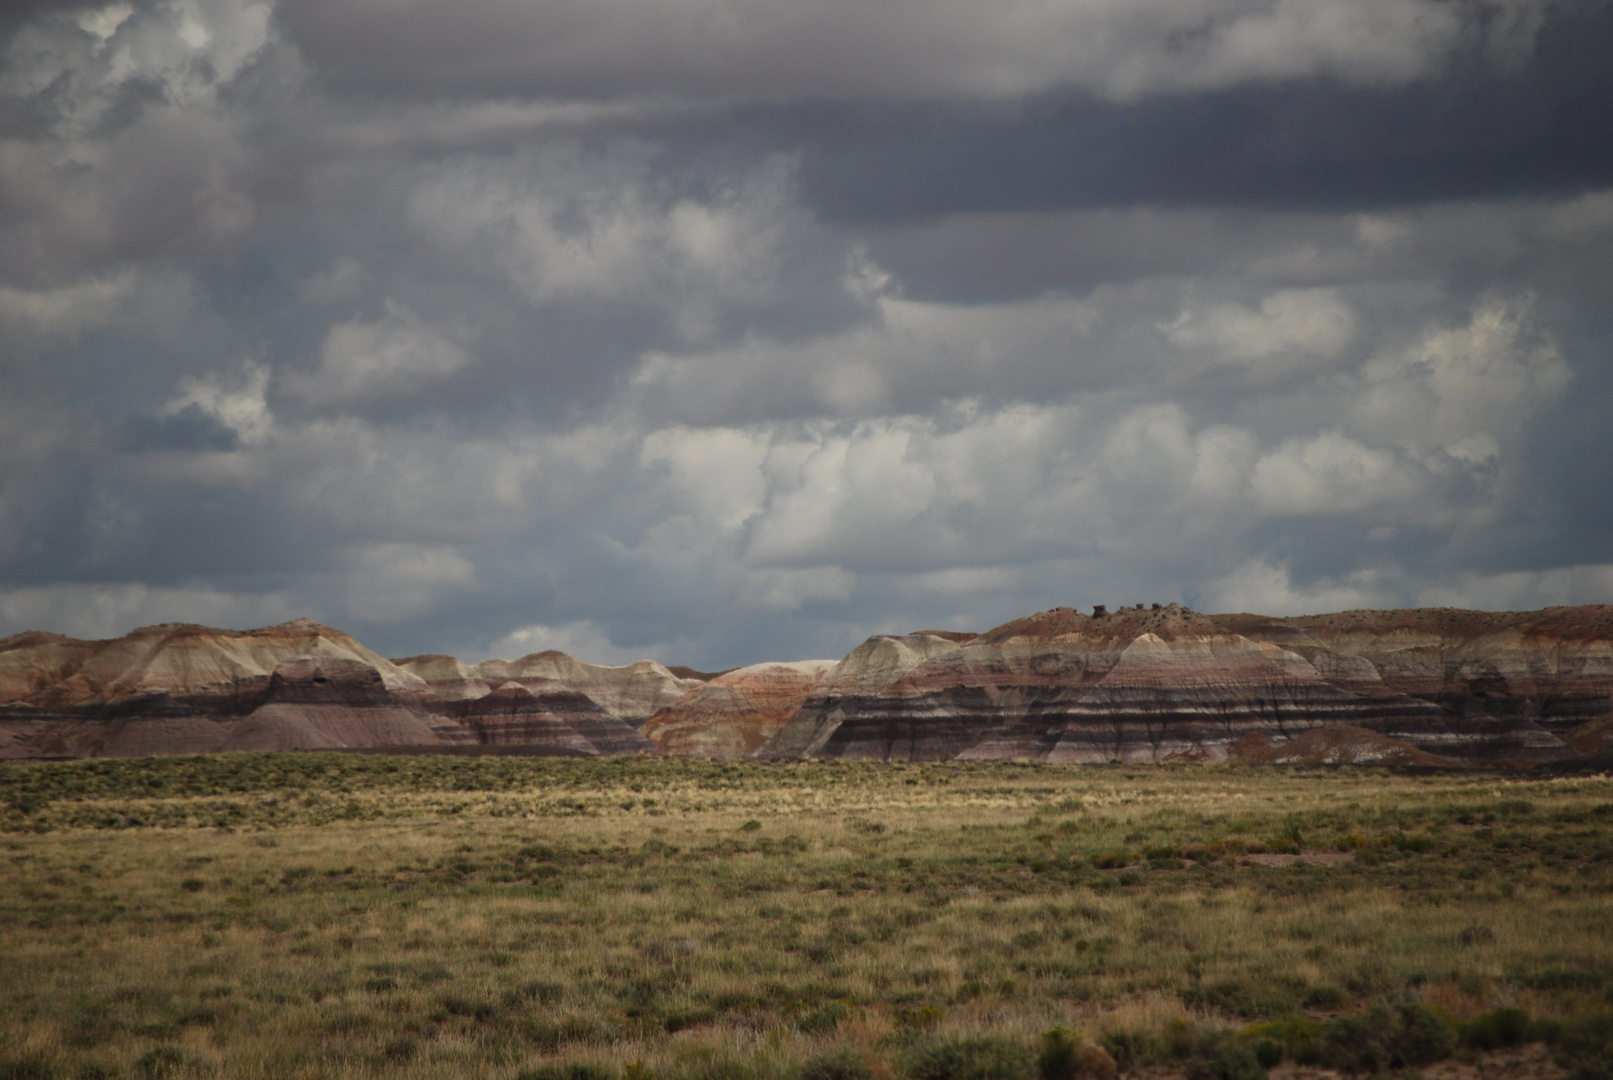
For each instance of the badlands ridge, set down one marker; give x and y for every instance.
(1417, 687)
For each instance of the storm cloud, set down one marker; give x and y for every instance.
(732, 331)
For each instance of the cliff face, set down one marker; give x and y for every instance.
(1168, 683)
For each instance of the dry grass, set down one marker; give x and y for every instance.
(339, 916)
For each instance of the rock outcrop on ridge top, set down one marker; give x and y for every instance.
(1168, 683)
(734, 713)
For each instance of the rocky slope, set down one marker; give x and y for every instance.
(1168, 683)
(733, 714)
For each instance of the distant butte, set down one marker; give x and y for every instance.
(1421, 687)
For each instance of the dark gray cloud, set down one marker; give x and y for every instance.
(901, 49)
(721, 332)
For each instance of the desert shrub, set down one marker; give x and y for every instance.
(1377, 1039)
(1323, 997)
(1415, 843)
(1421, 1038)
(1057, 1059)
(1236, 998)
(1492, 1030)
(678, 1020)
(844, 1065)
(1094, 1063)
(1226, 1061)
(163, 1061)
(471, 1007)
(1269, 1052)
(1130, 1049)
(822, 1020)
(1355, 1044)
(576, 1070)
(1180, 1039)
(400, 1050)
(28, 1068)
(979, 1058)
(1585, 1047)
(1065, 1056)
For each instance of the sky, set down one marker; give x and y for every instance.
(720, 331)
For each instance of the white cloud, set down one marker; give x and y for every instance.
(1461, 388)
(111, 610)
(188, 48)
(389, 582)
(906, 349)
(1330, 473)
(581, 639)
(241, 408)
(1268, 589)
(1520, 590)
(393, 356)
(1315, 321)
(339, 281)
(559, 226)
(68, 309)
(104, 22)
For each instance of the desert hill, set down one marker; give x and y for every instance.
(1415, 686)
(185, 689)
(1168, 683)
(734, 713)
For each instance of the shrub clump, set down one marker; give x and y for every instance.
(1376, 1040)
(28, 1068)
(980, 1058)
(1066, 1056)
(1493, 1030)
(1585, 1047)
(577, 1070)
(1129, 1049)
(844, 1065)
(1226, 1061)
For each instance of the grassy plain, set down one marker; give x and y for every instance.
(319, 915)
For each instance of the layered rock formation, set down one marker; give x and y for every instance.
(733, 714)
(183, 689)
(316, 703)
(563, 720)
(177, 661)
(1133, 685)
(1336, 744)
(631, 693)
(1168, 683)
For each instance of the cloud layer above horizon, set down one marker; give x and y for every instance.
(744, 329)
